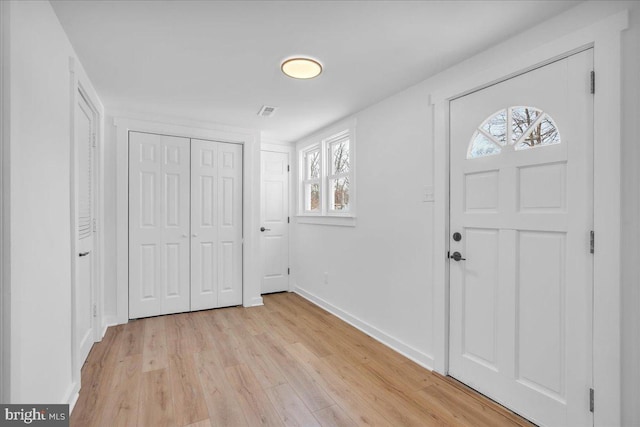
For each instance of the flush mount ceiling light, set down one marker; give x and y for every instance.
(301, 68)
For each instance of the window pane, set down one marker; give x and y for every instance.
(496, 126)
(339, 152)
(522, 118)
(312, 197)
(312, 164)
(544, 133)
(482, 146)
(339, 194)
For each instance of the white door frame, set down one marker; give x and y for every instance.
(251, 199)
(79, 83)
(5, 305)
(289, 149)
(605, 37)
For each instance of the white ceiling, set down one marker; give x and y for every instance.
(219, 61)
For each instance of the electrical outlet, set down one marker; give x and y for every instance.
(326, 277)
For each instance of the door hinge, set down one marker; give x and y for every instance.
(288, 219)
(95, 225)
(288, 271)
(592, 241)
(591, 399)
(95, 311)
(288, 168)
(593, 82)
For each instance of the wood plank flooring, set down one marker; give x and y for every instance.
(288, 363)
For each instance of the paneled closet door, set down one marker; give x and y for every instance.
(216, 224)
(159, 174)
(204, 224)
(230, 228)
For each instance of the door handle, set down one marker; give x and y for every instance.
(456, 256)
(264, 229)
(84, 253)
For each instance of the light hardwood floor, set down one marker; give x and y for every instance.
(288, 363)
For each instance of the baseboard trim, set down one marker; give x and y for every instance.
(108, 322)
(255, 302)
(407, 351)
(71, 397)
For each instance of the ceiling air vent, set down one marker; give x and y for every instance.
(267, 111)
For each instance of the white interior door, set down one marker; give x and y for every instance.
(85, 128)
(159, 193)
(216, 224)
(522, 205)
(274, 217)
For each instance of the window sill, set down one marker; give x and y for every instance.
(341, 221)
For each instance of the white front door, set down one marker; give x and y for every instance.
(159, 192)
(85, 129)
(521, 214)
(216, 224)
(274, 220)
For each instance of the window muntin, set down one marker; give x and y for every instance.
(521, 126)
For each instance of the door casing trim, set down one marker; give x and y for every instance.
(604, 37)
(5, 258)
(80, 86)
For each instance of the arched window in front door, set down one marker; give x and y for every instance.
(514, 128)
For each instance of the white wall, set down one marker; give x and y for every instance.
(40, 206)
(380, 271)
(110, 214)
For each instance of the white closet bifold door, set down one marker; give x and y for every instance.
(216, 224)
(159, 174)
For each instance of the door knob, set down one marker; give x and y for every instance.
(264, 229)
(194, 235)
(84, 253)
(456, 256)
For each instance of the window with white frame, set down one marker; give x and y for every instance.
(338, 173)
(326, 175)
(311, 179)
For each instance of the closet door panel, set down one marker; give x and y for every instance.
(204, 224)
(230, 227)
(175, 198)
(145, 238)
(158, 224)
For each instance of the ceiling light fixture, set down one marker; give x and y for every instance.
(301, 68)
